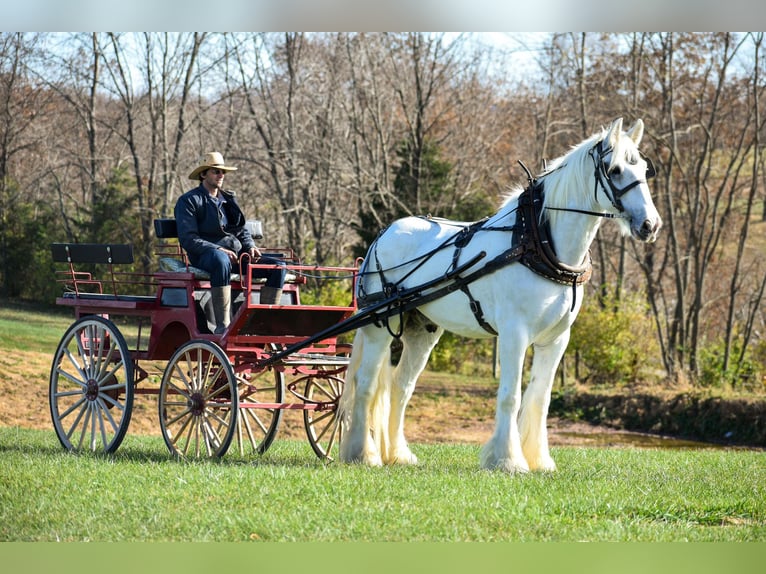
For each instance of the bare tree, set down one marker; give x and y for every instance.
(169, 67)
(22, 103)
(71, 70)
(702, 160)
(370, 115)
(747, 309)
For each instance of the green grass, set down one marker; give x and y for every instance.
(141, 494)
(31, 328)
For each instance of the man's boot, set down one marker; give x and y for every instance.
(270, 295)
(221, 307)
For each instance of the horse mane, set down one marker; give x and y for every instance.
(560, 178)
(567, 176)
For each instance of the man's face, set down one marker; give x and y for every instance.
(213, 178)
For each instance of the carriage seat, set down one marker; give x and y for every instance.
(173, 265)
(178, 262)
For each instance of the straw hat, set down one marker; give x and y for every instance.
(211, 160)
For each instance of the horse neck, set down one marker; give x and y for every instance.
(571, 233)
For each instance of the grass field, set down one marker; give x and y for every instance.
(140, 494)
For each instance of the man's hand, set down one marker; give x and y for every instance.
(255, 253)
(230, 254)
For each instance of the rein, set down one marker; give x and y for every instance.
(586, 212)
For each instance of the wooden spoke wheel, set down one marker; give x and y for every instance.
(198, 401)
(322, 423)
(91, 386)
(258, 419)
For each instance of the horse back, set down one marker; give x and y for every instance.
(409, 252)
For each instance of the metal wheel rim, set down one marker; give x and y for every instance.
(257, 427)
(322, 428)
(91, 386)
(198, 401)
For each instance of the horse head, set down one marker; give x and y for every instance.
(622, 173)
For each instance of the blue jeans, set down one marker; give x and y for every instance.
(218, 264)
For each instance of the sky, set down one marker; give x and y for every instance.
(382, 15)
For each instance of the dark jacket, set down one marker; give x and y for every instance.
(199, 227)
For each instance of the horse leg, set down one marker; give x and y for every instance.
(503, 450)
(419, 338)
(371, 350)
(535, 403)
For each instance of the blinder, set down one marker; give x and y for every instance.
(650, 170)
(603, 176)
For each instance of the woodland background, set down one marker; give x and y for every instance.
(337, 134)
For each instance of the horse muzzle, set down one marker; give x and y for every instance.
(648, 230)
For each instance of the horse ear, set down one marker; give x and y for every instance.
(637, 131)
(615, 131)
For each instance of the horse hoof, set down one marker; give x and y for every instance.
(507, 465)
(543, 466)
(539, 461)
(360, 456)
(366, 461)
(404, 457)
(370, 459)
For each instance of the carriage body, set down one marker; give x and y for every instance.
(150, 334)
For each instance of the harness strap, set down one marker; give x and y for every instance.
(464, 237)
(460, 239)
(477, 311)
(412, 298)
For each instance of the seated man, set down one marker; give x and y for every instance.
(211, 228)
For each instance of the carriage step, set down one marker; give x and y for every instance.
(315, 359)
(110, 297)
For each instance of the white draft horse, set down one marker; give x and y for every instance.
(603, 176)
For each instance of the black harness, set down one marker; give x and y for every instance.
(532, 247)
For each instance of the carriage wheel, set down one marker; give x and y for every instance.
(91, 386)
(322, 425)
(257, 426)
(198, 401)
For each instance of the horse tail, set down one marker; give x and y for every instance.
(346, 401)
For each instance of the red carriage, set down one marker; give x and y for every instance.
(211, 390)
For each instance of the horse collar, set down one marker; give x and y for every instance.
(538, 250)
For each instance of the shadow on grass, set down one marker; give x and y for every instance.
(290, 453)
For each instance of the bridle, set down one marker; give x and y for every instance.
(613, 193)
